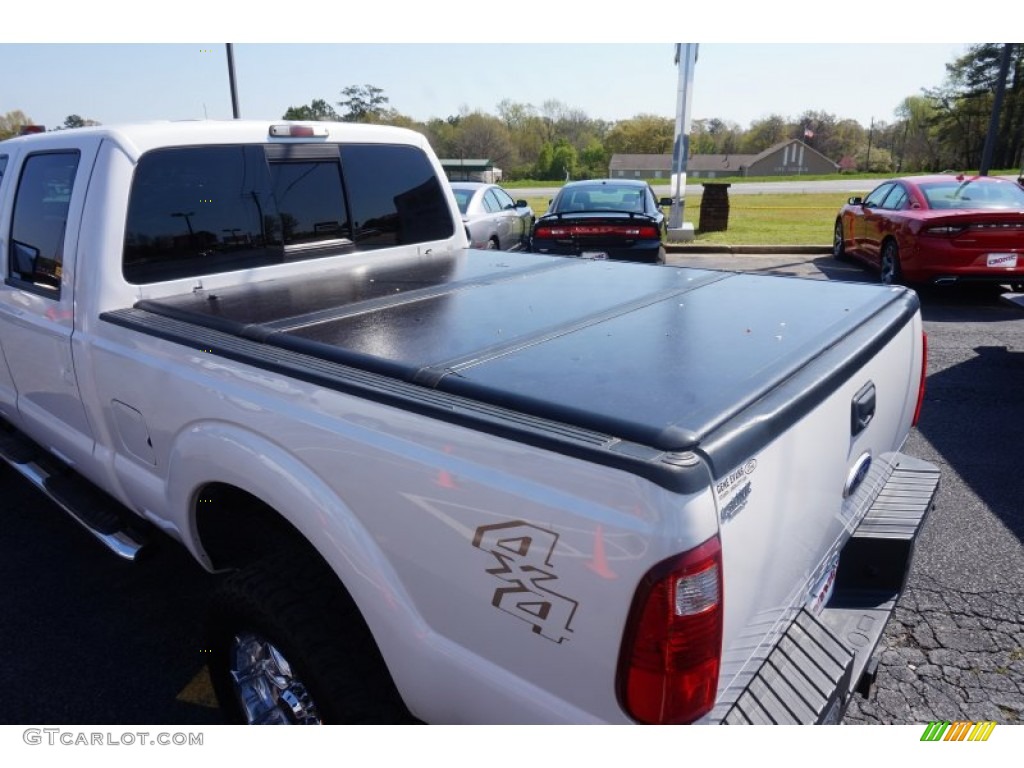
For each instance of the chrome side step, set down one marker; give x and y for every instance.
(87, 505)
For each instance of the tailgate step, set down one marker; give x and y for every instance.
(805, 679)
(898, 510)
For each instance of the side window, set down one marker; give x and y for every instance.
(896, 199)
(395, 197)
(3, 166)
(504, 199)
(491, 202)
(40, 217)
(877, 196)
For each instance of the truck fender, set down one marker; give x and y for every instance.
(218, 452)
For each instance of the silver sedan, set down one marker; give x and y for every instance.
(493, 219)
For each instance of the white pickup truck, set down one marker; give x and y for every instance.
(447, 484)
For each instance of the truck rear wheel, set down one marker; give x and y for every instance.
(289, 647)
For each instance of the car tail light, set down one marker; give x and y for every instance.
(551, 233)
(946, 229)
(924, 372)
(999, 225)
(671, 652)
(625, 231)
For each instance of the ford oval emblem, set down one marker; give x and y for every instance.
(857, 474)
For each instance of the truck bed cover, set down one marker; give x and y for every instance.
(557, 339)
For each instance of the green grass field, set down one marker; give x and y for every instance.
(796, 219)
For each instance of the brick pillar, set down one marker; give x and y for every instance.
(714, 208)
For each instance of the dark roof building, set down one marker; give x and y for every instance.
(471, 169)
(787, 158)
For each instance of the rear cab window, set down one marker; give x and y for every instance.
(202, 210)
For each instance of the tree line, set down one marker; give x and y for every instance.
(939, 129)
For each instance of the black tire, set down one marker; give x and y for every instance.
(492, 244)
(890, 272)
(838, 244)
(292, 603)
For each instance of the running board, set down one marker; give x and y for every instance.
(87, 505)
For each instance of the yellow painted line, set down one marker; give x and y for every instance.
(199, 691)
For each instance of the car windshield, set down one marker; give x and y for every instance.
(973, 195)
(600, 197)
(462, 198)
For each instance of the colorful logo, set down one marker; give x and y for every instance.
(943, 730)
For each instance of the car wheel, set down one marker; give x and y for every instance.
(891, 274)
(838, 244)
(492, 244)
(289, 647)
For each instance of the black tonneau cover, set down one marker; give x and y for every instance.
(659, 356)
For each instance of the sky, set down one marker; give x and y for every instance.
(740, 83)
(782, 62)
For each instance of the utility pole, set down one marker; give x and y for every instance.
(231, 81)
(903, 145)
(997, 107)
(686, 60)
(871, 132)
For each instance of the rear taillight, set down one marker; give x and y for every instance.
(924, 373)
(625, 231)
(671, 652)
(550, 233)
(946, 229)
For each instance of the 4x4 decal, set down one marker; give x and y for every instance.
(523, 553)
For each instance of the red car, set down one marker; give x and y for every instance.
(937, 229)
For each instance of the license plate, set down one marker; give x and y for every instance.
(822, 590)
(599, 255)
(1002, 260)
